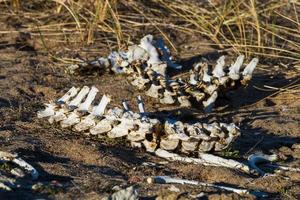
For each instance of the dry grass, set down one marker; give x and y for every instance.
(268, 29)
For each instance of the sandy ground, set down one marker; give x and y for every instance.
(75, 166)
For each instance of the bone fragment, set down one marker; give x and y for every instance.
(184, 101)
(136, 52)
(140, 82)
(84, 107)
(206, 78)
(71, 93)
(80, 96)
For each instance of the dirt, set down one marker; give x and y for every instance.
(86, 167)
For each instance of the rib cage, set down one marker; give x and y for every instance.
(146, 66)
(75, 110)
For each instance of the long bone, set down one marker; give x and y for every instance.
(170, 180)
(204, 159)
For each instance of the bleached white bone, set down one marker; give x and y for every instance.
(140, 82)
(100, 109)
(167, 97)
(234, 69)
(101, 127)
(160, 68)
(72, 119)
(66, 97)
(154, 91)
(121, 129)
(259, 158)
(59, 115)
(5, 156)
(193, 78)
(101, 62)
(184, 101)
(125, 105)
(204, 159)
(144, 127)
(80, 96)
(84, 107)
(136, 52)
(209, 103)
(48, 111)
(206, 78)
(150, 145)
(211, 88)
(146, 43)
(218, 70)
(248, 71)
(141, 105)
(170, 180)
(206, 146)
(195, 131)
(168, 143)
(189, 145)
(175, 130)
(86, 123)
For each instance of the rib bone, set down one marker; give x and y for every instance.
(84, 107)
(83, 92)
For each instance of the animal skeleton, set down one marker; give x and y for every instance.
(146, 66)
(76, 111)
